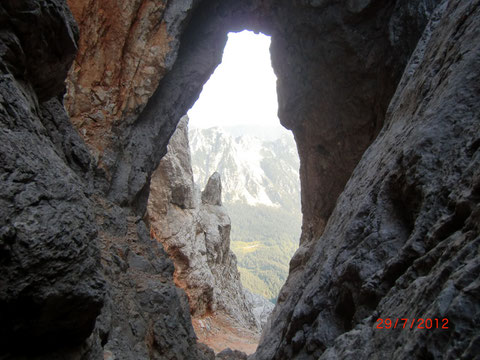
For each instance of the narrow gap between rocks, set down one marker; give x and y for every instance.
(229, 184)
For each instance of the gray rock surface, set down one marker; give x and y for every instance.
(261, 307)
(51, 288)
(212, 194)
(145, 316)
(403, 239)
(338, 64)
(81, 277)
(180, 174)
(197, 238)
(229, 354)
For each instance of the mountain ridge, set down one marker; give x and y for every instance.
(261, 192)
(249, 166)
(263, 132)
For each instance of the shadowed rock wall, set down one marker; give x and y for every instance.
(338, 64)
(81, 278)
(403, 239)
(51, 289)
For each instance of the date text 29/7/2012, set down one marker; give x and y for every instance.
(405, 323)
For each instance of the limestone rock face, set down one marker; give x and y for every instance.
(145, 315)
(403, 239)
(212, 194)
(335, 83)
(261, 308)
(51, 287)
(81, 278)
(179, 172)
(125, 49)
(197, 237)
(229, 354)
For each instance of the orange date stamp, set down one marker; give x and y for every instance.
(418, 323)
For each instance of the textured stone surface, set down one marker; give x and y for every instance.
(261, 308)
(51, 289)
(145, 142)
(229, 354)
(403, 240)
(197, 237)
(338, 64)
(146, 316)
(125, 49)
(212, 194)
(81, 277)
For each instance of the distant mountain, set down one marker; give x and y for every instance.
(261, 191)
(267, 133)
(253, 171)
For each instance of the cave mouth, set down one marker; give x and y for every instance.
(234, 130)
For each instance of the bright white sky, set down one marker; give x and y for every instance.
(242, 90)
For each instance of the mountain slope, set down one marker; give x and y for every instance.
(261, 192)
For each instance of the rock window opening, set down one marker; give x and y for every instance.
(230, 182)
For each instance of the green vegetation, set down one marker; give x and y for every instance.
(264, 239)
